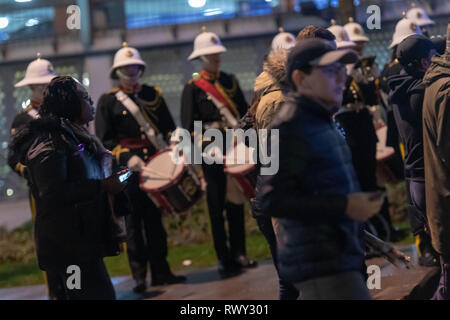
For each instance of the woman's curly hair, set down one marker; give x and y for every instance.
(61, 99)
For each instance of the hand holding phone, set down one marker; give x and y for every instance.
(117, 181)
(124, 177)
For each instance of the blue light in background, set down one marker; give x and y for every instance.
(334, 3)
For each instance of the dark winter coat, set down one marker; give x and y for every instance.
(73, 222)
(308, 194)
(406, 98)
(436, 143)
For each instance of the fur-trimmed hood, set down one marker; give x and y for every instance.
(24, 135)
(274, 72)
(58, 130)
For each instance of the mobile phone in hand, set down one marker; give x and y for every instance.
(123, 177)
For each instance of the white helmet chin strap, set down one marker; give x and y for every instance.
(123, 76)
(204, 59)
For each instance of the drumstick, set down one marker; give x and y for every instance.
(173, 166)
(156, 173)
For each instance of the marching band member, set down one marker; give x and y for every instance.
(38, 75)
(403, 29)
(283, 40)
(419, 17)
(406, 97)
(133, 121)
(353, 116)
(197, 106)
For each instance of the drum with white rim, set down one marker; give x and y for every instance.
(173, 187)
(240, 164)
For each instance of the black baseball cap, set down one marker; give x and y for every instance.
(316, 53)
(413, 48)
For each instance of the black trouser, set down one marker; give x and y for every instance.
(215, 195)
(415, 192)
(55, 288)
(146, 236)
(287, 290)
(95, 283)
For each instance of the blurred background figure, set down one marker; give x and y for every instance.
(38, 75)
(120, 131)
(221, 191)
(406, 96)
(420, 17)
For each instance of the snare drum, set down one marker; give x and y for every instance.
(175, 188)
(240, 166)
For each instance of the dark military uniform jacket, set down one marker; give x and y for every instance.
(21, 119)
(120, 132)
(195, 105)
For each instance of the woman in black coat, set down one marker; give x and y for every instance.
(72, 183)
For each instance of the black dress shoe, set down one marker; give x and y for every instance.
(245, 262)
(429, 258)
(228, 269)
(167, 279)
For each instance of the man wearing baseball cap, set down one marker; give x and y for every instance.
(269, 90)
(315, 196)
(406, 97)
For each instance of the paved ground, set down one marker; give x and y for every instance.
(259, 284)
(13, 214)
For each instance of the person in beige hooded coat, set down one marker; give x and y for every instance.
(267, 100)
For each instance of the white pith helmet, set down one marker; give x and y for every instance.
(39, 71)
(342, 39)
(206, 43)
(283, 40)
(124, 57)
(419, 16)
(355, 31)
(404, 29)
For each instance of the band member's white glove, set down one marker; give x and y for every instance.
(135, 163)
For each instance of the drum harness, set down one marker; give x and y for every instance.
(157, 140)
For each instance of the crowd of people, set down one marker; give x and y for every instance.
(345, 130)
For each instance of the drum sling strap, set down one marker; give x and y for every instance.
(33, 113)
(131, 106)
(228, 111)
